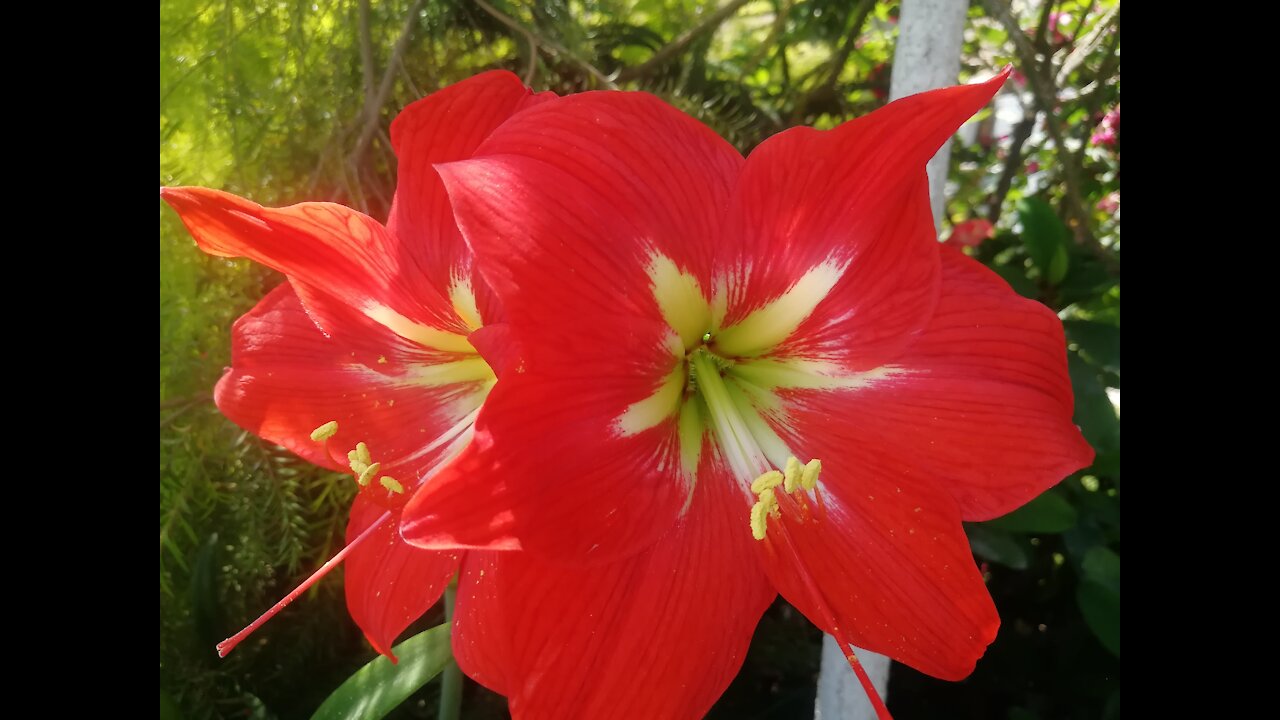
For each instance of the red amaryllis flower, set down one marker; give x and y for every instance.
(378, 334)
(971, 233)
(735, 377)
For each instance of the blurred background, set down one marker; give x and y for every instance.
(288, 101)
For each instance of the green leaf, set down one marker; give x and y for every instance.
(1102, 565)
(1101, 610)
(1049, 513)
(1046, 238)
(377, 688)
(1095, 414)
(1099, 343)
(1018, 280)
(997, 546)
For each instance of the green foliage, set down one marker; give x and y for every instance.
(270, 101)
(379, 687)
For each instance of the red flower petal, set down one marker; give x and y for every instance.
(658, 635)
(324, 247)
(287, 378)
(566, 207)
(543, 475)
(981, 403)
(884, 558)
(595, 182)
(390, 583)
(853, 200)
(445, 126)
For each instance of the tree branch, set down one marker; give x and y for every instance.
(366, 59)
(1087, 45)
(1042, 87)
(779, 24)
(547, 45)
(1021, 132)
(824, 94)
(375, 103)
(851, 35)
(677, 46)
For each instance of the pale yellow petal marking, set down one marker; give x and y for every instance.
(769, 325)
(461, 431)
(472, 369)
(656, 408)
(424, 335)
(690, 429)
(719, 301)
(799, 374)
(681, 300)
(463, 297)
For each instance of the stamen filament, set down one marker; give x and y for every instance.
(230, 643)
(882, 712)
(745, 457)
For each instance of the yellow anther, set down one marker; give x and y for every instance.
(366, 477)
(362, 452)
(357, 467)
(767, 505)
(391, 484)
(325, 431)
(766, 482)
(382, 359)
(759, 518)
(792, 475)
(809, 478)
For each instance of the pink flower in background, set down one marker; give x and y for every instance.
(1110, 204)
(971, 233)
(1056, 22)
(1033, 167)
(1108, 131)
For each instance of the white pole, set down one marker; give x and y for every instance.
(930, 34)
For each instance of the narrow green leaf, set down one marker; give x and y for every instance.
(206, 610)
(377, 688)
(1049, 513)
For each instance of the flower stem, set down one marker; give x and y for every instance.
(451, 677)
